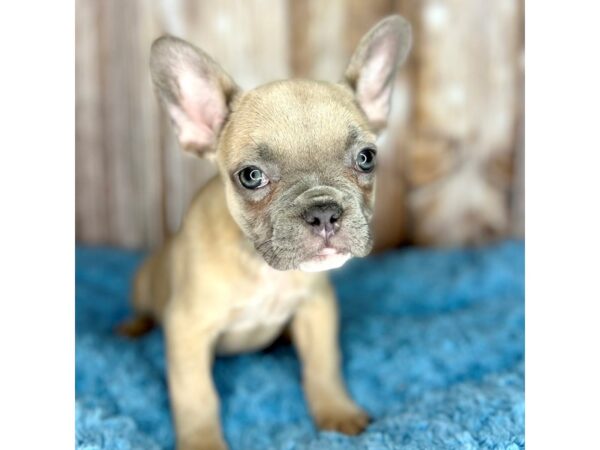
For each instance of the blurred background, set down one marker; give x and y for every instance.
(451, 161)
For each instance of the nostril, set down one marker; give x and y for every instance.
(322, 216)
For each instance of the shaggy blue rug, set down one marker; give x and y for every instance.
(432, 343)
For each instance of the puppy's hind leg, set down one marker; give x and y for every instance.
(136, 326)
(142, 301)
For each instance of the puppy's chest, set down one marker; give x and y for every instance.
(260, 312)
(268, 299)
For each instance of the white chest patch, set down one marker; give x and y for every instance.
(261, 311)
(270, 301)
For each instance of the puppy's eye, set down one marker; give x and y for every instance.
(365, 160)
(252, 177)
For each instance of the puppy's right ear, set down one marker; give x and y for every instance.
(195, 91)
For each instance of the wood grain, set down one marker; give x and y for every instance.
(133, 183)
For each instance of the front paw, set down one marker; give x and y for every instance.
(209, 446)
(347, 419)
(203, 443)
(204, 446)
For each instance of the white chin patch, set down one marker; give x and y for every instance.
(323, 262)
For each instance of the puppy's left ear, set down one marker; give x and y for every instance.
(373, 67)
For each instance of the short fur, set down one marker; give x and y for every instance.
(228, 282)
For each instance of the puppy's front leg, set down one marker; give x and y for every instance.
(194, 400)
(314, 332)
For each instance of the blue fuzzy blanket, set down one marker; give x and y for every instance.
(432, 343)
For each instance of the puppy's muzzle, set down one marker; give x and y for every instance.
(323, 218)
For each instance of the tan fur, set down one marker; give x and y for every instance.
(202, 271)
(215, 285)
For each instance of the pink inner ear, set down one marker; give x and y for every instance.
(201, 112)
(192, 136)
(375, 82)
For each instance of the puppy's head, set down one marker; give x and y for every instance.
(297, 156)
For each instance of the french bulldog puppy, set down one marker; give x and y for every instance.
(293, 198)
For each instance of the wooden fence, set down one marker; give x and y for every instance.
(463, 82)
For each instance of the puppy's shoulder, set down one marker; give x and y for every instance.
(208, 225)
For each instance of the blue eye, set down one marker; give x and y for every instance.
(365, 160)
(252, 177)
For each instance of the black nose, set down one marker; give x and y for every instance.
(323, 218)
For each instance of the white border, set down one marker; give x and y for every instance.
(562, 225)
(37, 224)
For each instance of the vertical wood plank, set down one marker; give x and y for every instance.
(116, 24)
(146, 135)
(90, 200)
(317, 39)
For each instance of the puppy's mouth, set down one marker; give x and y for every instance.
(326, 258)
(292, 245)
